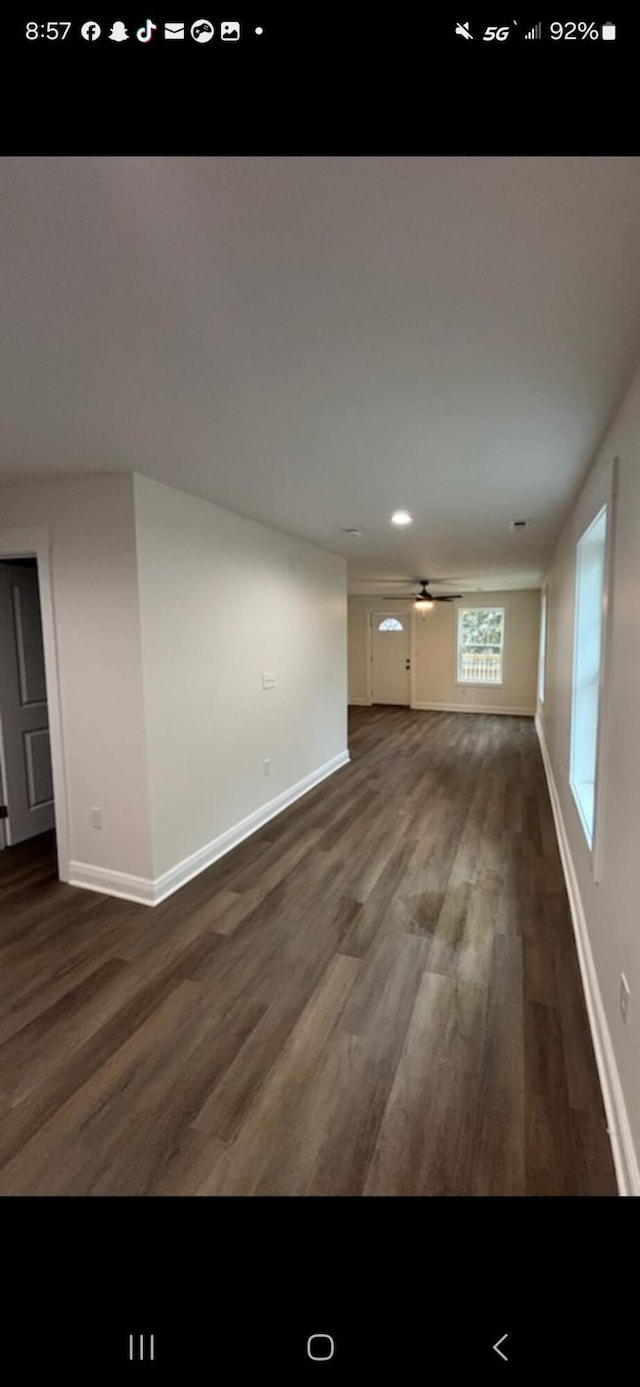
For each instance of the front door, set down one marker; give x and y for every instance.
(26, 788)
(390, 657)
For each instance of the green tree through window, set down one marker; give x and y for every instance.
(482, 628)
(480, 645)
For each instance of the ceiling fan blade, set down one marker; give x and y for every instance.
(417, 582)
(418, 597)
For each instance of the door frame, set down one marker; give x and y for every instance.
(368, 647)
(34, 541)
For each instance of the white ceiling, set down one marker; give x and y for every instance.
(316, 341)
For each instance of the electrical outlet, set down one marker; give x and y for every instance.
(269, 681)
(267, 765)
(625, 998)
(96, 818)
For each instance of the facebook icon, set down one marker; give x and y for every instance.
(91, 31)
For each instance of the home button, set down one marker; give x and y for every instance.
(320, 1347)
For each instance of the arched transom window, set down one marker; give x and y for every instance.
(390, 623)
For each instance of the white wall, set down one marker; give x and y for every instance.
(167, 610)
(358, 614)
(222, 600)
(93, 564)
(434, 653)
(609, 909)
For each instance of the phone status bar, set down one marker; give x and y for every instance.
(145, 32)
(569, 31)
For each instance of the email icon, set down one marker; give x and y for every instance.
(174, 31)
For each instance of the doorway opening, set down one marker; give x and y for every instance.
(391, 658)
(27, 803)
(33, 803)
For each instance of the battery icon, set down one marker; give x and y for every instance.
(608, 31)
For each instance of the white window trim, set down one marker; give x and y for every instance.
(542, 645)
(605, 496)
(480, 683)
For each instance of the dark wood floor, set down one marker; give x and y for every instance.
(378, 994)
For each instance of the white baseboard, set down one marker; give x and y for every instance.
(177, 876)
(129, 888)
(474, 708)
(622, 1147)
(359, 702)
(150, 892)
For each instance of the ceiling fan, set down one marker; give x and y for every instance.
(424, 596)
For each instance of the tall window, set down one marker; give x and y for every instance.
(542, 654)
(590, 586)
(480, 645)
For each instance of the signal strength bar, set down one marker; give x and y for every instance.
(535, 33)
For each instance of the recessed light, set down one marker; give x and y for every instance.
(401, 517)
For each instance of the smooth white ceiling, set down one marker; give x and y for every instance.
(315, 342)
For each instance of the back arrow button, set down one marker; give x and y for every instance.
(498, 1350)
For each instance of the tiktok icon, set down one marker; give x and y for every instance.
(145, 34)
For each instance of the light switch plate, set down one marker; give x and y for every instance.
(269, 681)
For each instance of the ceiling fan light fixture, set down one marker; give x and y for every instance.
(424, 600)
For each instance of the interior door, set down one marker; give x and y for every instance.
(390, 657)
(27, 781)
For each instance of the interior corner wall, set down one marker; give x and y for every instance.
(358, 614)
(434, 640)
(224, 600)
(607, 911)
(96, 619)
